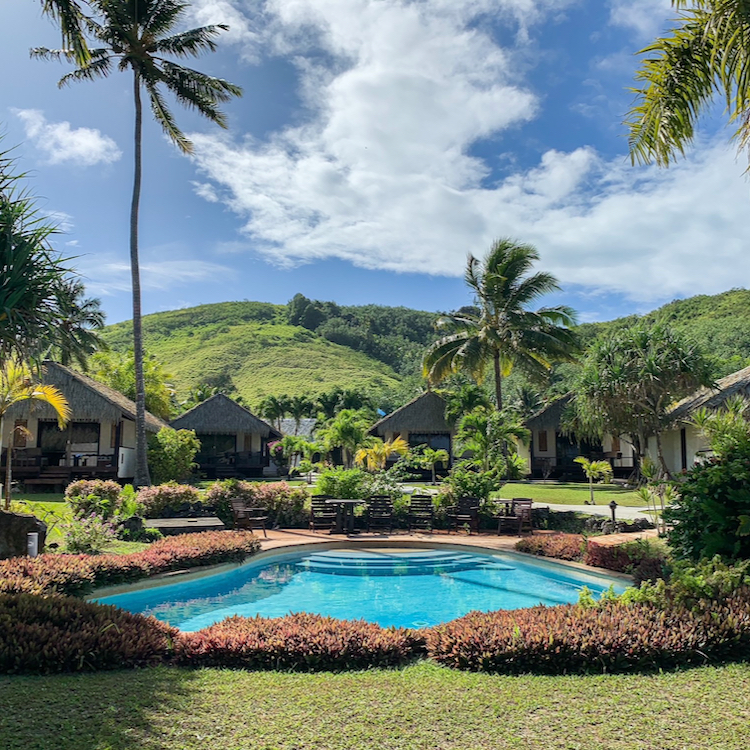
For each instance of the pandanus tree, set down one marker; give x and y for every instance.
(501, 331)
(705, 55)
(138, 36)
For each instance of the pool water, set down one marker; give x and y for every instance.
(403, 588)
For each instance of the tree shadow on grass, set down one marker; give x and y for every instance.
(101, 711)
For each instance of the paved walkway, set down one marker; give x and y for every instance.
(623, 512)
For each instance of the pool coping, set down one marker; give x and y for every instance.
(193, 574)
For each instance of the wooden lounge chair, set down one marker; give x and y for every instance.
(323, 515)
(421, 512)
(380, 513)
(519, 518)
(248, 517)
(465, 514)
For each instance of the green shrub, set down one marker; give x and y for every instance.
(171, 455)
(558, 546)
(466, 482)
(87, 496)
(286, 505)
(90, 535)
(155, 500)
(298, 642)
(63, 634)
(609, 638)
(344, 483)
(79, 574)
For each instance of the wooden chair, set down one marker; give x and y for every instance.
(465, 513)
(249, 518)
(519, 518)
(380, 513)
(323, 515)
(421, 512)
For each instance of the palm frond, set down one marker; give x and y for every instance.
(67, 13)
(165, 118)
(190, 43)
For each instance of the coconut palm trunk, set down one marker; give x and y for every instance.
(141, 478)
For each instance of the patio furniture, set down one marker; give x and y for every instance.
(421, 512)
(344, 513)
(517, 519)
(323, 515)
(465, 514)
(380, 513)
(249, 517)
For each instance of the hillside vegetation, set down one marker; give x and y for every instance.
(254, 349)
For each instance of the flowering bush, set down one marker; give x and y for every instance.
(87, 496)
(300, 642)
(559, 546)
(89, 534)
(79, 574)
(154, 500)
(286, 505)
(577, 638)
(64, 634)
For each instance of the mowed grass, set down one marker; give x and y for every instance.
(420, 707)
(571, 493)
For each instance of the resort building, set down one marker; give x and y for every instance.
(98, 441)
(234, 442)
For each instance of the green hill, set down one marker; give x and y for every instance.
(249, 349)
(254, 349)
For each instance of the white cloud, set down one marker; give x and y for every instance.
(63, 144)
(381, 174)
(647, 18)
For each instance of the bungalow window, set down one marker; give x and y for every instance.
(543, 441)
(438, 441)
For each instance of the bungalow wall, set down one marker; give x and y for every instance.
(682, 447)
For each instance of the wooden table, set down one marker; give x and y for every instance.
(172, 526)
(344, 514)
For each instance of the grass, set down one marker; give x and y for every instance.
(417, 708)
(571, 493)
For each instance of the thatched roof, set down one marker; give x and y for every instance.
(736, 384)
(88, 399)
(425, 413)
(306, 429)
(550, 416)
(219, 415)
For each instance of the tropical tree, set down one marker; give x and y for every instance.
(500, 331)
(595, 471)
(274, 409)
(348, 431)
(629, 380)
(486, 434)
(329, 403)
(704, 55)
(431, 457)
(375, 455)
(462, 400)
(299, 407)
(17, 385)
(138, 35)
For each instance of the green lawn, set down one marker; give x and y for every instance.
(423, 706)
(570, 493)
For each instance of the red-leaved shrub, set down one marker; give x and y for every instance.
(286, 505)
(154, 500)
(610, 637)
(79, 574)
(42, 635)
(300, 642)
(559, 546)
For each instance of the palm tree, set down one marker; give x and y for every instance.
(274, 409)
(705, 55)
(594, 471)
(136, 35)
(348, 431)
(299, 407)
(69, 16)
(487, 434)
(462, 400)
(501, 331)
(431, 458)
(17, 385)
(375, 455)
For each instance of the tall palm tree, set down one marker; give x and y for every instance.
(274, 409)
(706, 54)
(136, 35)
(17, 385)
(500, 331)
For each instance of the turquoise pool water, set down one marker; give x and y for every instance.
(403, 588)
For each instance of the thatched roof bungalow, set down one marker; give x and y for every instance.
(99, 440)
(683, 443)
(420, 422)
(234, 442)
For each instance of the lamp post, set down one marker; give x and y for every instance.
(613, 508)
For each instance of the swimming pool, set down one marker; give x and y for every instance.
(404, 587)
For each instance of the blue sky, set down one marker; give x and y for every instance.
(378, 142)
